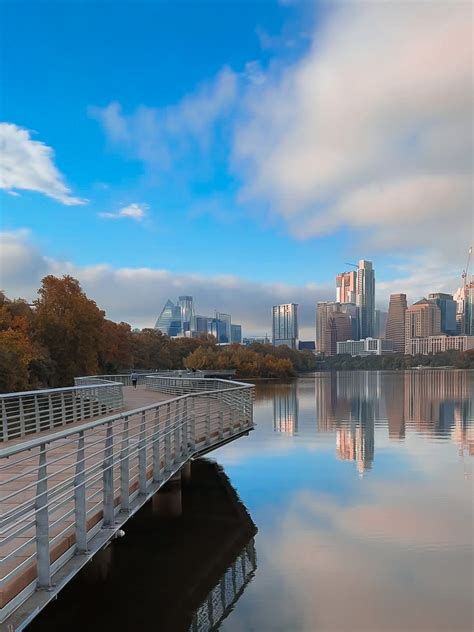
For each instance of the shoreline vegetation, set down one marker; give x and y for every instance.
(64, 334)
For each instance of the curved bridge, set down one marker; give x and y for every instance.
(70, 486)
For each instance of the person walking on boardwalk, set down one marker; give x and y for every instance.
(134, 378)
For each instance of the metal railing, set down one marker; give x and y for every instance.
(180, 385)
(65, 494)
(33, 411)
(122, 378)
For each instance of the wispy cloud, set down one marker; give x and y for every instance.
(29, 165)
(163, 136)
(133, 211)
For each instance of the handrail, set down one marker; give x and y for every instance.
(63, 434)
(66, 492)
(30, 412)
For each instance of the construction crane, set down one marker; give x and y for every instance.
(354, 265)
(465, 272)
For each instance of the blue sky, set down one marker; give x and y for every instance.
(224, 149)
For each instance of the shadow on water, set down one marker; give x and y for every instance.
(185, 560)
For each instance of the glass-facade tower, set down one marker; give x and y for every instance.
(169, 321)
(365, 299)
(285, 325)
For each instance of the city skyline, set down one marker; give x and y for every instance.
(153, 187)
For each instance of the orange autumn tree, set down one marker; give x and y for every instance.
(18, 350)
(70, 326)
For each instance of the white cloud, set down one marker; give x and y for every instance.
(133, 211)
(371, 129)
(29, 164)
(162, 136)
(136, 295)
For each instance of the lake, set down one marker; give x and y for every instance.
(349, 507)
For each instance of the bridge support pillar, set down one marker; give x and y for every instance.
(186, 474)
(167, 503)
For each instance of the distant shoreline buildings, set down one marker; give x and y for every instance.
(350, 324)
(180, 319)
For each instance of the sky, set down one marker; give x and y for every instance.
(240, 152)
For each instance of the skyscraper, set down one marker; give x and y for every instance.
(236, 333)
(422, 319)
(224, 327)
(169, 321)
(365, 298)
(447, 306)
(186, 305)
(285, 325)
(346, 287)
(395, 329)
(333, 325)
(469, 309)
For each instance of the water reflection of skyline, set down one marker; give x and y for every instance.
(436, 404)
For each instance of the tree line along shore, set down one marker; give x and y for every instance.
(64, 334)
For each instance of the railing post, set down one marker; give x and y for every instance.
(192, 422)
(42, 523)
(22, 417)
(168, 437)
(220, 418)
(80, 497)
(208, 421)
(108, 478)
(185, 430)
(4, 421)
(142, 456)
(177, 446)
(124, 469)
(156, 447)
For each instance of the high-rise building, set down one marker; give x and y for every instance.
(469, 310)
(236, 333)
(365, 298)
(395, 329)
(200, 324)
(351, 310)
(285, 325)
(422, 319)
(224, 327)
(346, 287)
(169, 321)
(332, 326)
(186, 305)
(447, 306)
(459, 298)
(380, 323)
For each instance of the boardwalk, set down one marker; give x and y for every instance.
(67, 494)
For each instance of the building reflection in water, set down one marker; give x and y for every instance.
(174, 570)
(285, 408)
(437, 403)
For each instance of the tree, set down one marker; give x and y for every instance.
(70, 325)
(116, 352)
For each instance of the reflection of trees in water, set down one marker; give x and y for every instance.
(169, 572)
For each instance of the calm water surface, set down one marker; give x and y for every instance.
(349, 507)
